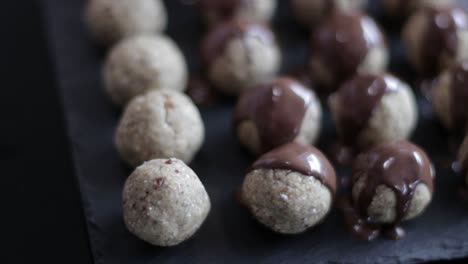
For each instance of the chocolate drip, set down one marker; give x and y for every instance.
(440, 37)
(277, 109)
(459, 97)
(357, 99)
(217, 40)
(306, 160)
(222, 8)
(400, 166)
(343, 41)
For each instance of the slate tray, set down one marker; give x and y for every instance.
(229, 234)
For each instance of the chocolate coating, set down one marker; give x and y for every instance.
(398, 165)
(214, 44)
(362, 94)
(277, 109)
(306, 160)
(459, 96)
(224, 8)
(342, 42)
(440, 33)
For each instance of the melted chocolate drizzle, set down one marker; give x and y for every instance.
(277, 109)
(215, 43)
(440, 37)
(357, 99)
(459, 96)
(343, 41)
(300, 158)
(398, 165)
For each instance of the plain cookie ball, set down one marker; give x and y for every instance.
(310, 13)
(449, 97)
(113, 20)
(346, 44)
(159, 124)
(290, 189)
(275, 113)
(446, 29)
(143, 63)
(391, 183)
(216, 11)
(164, 202)
(371, 109)
(238, 55)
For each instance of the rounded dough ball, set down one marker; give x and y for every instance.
(143, 63)
(113, 20)
(164, 202)
(383, 206)
(285, 201)
(260, 11)
(159, 124)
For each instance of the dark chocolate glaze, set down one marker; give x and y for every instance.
(342, 42)
(398, 165)
(300, 158)
(459, 96)
(277, 109)
(223, 9)
(357, 99)
(214, 44)
(440, 37)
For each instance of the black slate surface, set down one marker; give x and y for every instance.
(229, 234)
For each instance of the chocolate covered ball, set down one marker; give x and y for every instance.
(164, 202)
(239, 54)
(216, 11)
(142, 63)
(391, 183)
(404, 8)
(159, 124)
(463, 160)
(346, 44)
(450, 95)
(113, 20)
(275, 113)
(436, 38)
(310, 13)
(369, 109)
(290, 189)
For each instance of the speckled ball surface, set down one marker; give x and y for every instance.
(240, 54)
(143, 63)
(113, 20)
(159, 124)
(164, 202)
(215, 11)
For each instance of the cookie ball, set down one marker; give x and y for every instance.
(290, 189)
(369, 109)
(310, 13)
(275, 113)
(346, 44)
(143, 63)
(240, 54)
(159, 124)
(113, 20)
(449, 97)
(463, 160)
(446, 29)
(404, 8)
(260, 11)
(391, 183)
(164, 202)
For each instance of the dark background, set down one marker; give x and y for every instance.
(41, 216)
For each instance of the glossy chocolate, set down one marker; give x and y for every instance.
(398, 165)
(215, 43)
(440, 38)
(356, 100)
(277, 109)
(306, 160)
(342, 42)
(459, 96)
